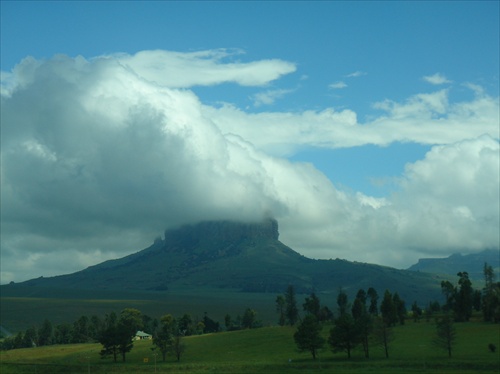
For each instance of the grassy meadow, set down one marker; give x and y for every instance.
(272, 350)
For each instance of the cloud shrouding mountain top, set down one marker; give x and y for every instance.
(100, 156)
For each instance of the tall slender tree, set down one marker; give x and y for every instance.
(362, 319)
(445, 334)
(163, 337)
(373, 296)
(291, 310)
(280, 308)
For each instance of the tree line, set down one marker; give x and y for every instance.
(364, 321)
(116, 332)
(367, 320)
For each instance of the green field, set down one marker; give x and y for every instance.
(272, 350)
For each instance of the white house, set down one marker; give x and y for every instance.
(141, 335)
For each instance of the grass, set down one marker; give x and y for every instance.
(272, 350)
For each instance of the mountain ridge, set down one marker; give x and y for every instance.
(241, 256)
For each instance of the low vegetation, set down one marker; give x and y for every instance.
(272, 349)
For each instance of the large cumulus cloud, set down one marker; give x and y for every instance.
(100, 156)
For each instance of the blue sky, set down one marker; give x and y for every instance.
(374, 96)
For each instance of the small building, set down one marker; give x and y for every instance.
(141, 335)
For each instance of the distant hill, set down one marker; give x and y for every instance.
(245, 257)
(472, 264)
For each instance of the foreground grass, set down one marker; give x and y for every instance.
(272, 350)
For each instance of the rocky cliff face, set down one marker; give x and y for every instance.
(220, 233)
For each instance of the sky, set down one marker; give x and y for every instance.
(369, 130)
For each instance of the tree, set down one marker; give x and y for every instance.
(210, 325)
(249, 319)
(399, 306)
(185, 325)
(29, 338)
(449, 292)
(178, 347)
(128, 325)
(416, 311)
(342, 302)
(228, 322)
(312, 305)
(362, 319)
(117, 335)
(490, 303)
(383, 335)
(109, 336)
(345, 334)
(63, 333)
(463, 306)
(81, 330)
(291, 310)
(445, 334)
(388, 309)
(163, 337)
(45, 333)
(373, 296)
(308, 335)
(280, 308)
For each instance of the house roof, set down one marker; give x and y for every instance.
(142, 334)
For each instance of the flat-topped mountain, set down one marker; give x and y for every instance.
(472, 263)
(240, 256)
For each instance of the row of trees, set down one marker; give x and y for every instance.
(353, 325)
(462, 299)
(116, 332)
(363, 322)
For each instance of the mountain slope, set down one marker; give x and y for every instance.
(451, 265)
(238, 256)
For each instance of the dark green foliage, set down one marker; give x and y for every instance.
(185, 325)
(117, 335)
(388, 309)
(463, 305)
(400, 308)
(109, 336)
(210, 325)
(416, 311)
(249, 319)
(308, 335)
(342, 302)
(280, 308)
(373, 296)
(363, 320)
(291, 310)
(312, 305)
(490, 303)
(449, 292)
(445, 334)
(45, 333)
(345, 335)
(163, 337)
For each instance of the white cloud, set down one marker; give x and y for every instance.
(175, 69)
(337, 85)
(269, 97)
(356, 74)
(109, 155)
(436, 79)
(423, 118)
